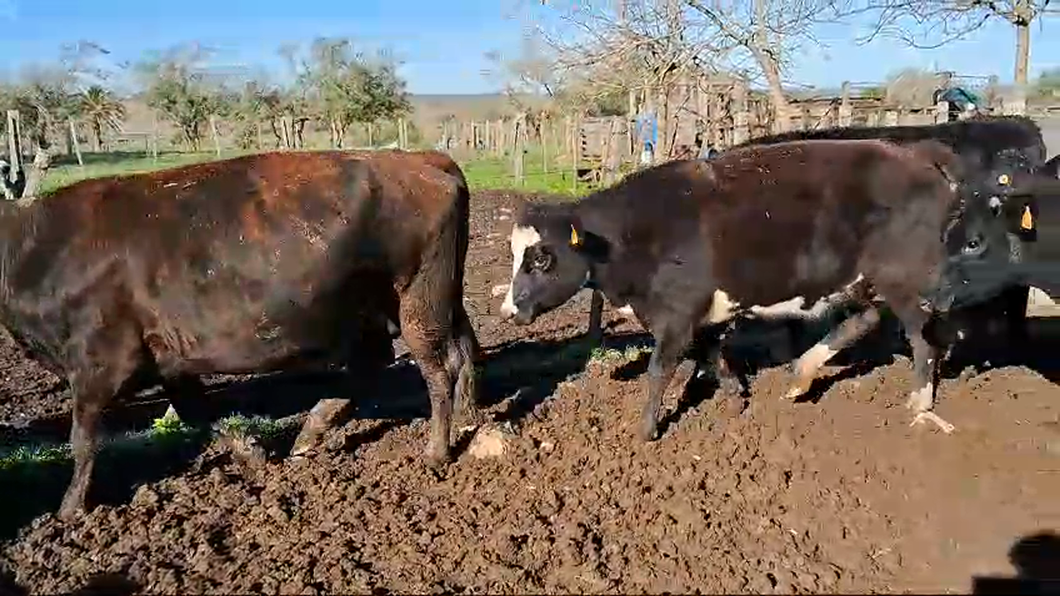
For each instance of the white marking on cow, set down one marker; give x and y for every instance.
(626, 311)
(523, 237)
(808, 364)
(995, 202)
(921, 400)
(723, 307)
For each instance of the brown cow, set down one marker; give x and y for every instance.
(760, 231)
(245, 265)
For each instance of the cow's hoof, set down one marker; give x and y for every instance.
(473, 416)
(436, 457)
(730, 385)
(305, 445)
(649, 432)
(70, 511)
(920, 400)
(794, 392)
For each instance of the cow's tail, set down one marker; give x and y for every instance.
(464, 352)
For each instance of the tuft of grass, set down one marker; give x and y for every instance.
(238, 425)
(165, 432)
(612, 355)
(34, 455)
(169, 423)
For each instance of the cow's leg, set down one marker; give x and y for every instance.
(93, 386)
(848, 332)
(370, 353)
(463, 356)
(671, 340)
(925, 368)
(708, 349)
(431, 339)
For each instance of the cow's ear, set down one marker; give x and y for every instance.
(576, 239)
(593, 246)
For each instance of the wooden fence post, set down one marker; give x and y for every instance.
(216, 136)
(544, 144)
(77, 146)
(740, 117)
(286, 131)
(942, 111)
(846, 111)
(518, 128)
(14, 143)
(576, 147)
(403, 134)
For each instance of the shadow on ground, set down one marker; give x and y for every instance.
(1036, 559)
(515, 379)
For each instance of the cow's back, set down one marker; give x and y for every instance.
(225, 253)
(769, 222)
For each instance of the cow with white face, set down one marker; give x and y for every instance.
(690, 246)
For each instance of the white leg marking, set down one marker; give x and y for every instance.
(935, 419)
(796, 307)
(808, 365)
(522, 237)
(921, 401)
(722, 307)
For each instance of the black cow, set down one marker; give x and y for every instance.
(1038, 263)
(245, 265)
(800, 223)
(998, 154)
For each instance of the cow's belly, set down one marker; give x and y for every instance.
(258, 339)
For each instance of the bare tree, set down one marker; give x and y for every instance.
(659, 42)
(934, 23)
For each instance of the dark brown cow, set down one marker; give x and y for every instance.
(244, 265)
(755, 231)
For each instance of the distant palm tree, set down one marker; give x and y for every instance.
(103, 111)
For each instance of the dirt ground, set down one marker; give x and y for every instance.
(838, 494)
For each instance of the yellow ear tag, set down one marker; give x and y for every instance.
(574, 239)
(1004, 179)
(1027, 221)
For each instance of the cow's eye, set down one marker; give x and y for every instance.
(973, 245)
(542, 261)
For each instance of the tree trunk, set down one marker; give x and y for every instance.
(1023, 42)
(770, 66)
(97, 134)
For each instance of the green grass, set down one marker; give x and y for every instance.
(100, 165)
(493, 173)
(164, 431)
(483, 172)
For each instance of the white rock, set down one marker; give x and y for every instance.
(488, 442)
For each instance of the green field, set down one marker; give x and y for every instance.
(483, 172)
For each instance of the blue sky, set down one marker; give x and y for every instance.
(442, 43)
